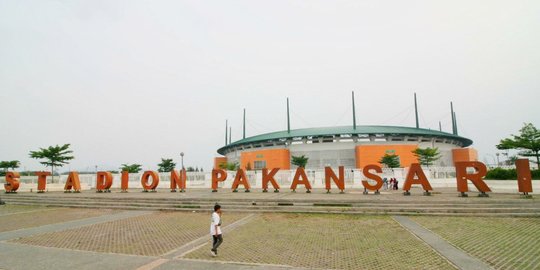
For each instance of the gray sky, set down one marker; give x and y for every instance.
(134, 81)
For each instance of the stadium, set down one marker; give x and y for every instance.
(350, 146)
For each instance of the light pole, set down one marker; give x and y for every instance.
(498, 163)
(182, 158)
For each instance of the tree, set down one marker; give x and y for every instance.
(229, 166)
(5, 166)
(54, 156)
(528, 141)
(426, 156)
(300, 161)
(166, 165)
(13, 164)
(131, 168)
(391, 161)
(190, 169)
(512, 160)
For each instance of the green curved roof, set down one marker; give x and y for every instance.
(360, 130)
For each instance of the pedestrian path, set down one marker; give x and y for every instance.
(69, 225)
(457, 257)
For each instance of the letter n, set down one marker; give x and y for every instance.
(416, 176)
(178, 179)
(300, 178)
(476, 178)
(330, 175)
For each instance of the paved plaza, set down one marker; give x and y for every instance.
(37, 237)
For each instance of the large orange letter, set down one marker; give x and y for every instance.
(12, 182)
(240, 179)
(416, 176)
(73, 182)
(524, 176)
(104, 182)
(125, 181)
(269, 177)
(476, 178)
(329, 174)
(301, 173)
(372, 176)
(178, 179)
(150, 186)
(42, 181)
(218, 175)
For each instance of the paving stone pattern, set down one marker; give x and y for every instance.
(150, 235)
(29, 218)
(325, 241)
(503, 243)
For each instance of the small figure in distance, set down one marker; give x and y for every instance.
(215, 229)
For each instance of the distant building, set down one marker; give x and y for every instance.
(350, 146)
(344, 146)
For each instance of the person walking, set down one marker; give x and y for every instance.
(215, 229)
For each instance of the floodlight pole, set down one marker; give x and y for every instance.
(353, 112)
(416, 111)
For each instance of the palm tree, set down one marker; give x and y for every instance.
(54, 156)
(166, 165)
(300, 161)
(131, 168)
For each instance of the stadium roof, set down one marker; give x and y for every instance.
(347, 130)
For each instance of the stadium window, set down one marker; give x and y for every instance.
(259, 164)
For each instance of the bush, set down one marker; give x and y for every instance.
(501, 174)
(510, 174)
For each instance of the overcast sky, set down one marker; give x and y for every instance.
(135, 81)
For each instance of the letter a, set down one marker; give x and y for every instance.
(72, 182)
(301, 173)
(476, 178)
(269, 177)
(416, 176)
(240, 179)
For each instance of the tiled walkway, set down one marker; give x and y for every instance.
(145, 240)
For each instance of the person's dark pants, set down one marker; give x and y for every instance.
(217, 242)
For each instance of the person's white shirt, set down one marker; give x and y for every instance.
(215, 221)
